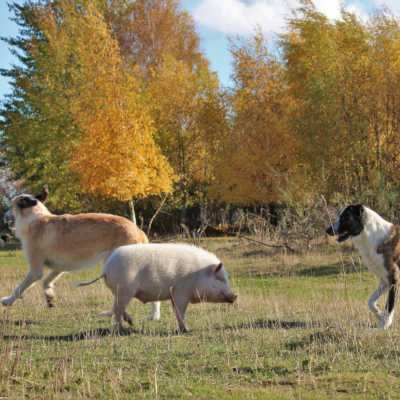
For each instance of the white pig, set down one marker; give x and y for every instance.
(154, 272)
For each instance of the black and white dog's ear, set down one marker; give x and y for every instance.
(42, 196)
(359, 208)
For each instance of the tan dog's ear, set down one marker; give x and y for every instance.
(217, 268)
(42, 196)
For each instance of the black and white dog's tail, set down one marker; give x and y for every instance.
(391, 300)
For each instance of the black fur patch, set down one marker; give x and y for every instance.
(391, 300)
(350, 223)
(26, 202)
(42, 196)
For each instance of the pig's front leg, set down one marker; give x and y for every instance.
(179, 304)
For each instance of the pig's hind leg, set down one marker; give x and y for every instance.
(128, 318)
(119, 313)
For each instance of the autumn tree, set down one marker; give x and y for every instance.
(327, 64)
(112, 150)
(158, 41)
(148, 30)
(383, 106)
(343, 76)
(257, 159)
(38, 132)
(189, 116)
(117, 155)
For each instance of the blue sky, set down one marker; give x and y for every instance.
(216, 20)
(7, 28)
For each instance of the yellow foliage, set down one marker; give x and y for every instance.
(116, 155)
(188, 114)
(256, 164)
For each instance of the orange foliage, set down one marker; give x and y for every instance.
(116, 156)
(257, 162)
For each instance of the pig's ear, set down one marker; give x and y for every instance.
(217, 268)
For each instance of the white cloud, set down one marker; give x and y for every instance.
(393, 5)
(237, 17)
(358, 10)
(331, 8)
(241, 17)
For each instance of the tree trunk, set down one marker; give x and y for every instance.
(156, 213)
(132, 210)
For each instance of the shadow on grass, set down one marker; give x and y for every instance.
(261, 253)
(90, 334)
(274, 324)
(329, 335)
(301, 270)
(320, 338)
(327, 270)
(19, 322)
(109, 332)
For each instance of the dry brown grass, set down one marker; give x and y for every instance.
(300, 330)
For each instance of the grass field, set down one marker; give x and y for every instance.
(300, 330)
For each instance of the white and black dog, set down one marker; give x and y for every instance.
(368, 230)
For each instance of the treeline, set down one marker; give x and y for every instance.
(114, 102)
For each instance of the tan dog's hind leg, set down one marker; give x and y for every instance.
(48, 286)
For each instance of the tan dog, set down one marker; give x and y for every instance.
(65, 242)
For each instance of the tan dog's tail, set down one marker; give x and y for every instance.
(87, 283)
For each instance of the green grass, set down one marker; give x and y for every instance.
(300, 330)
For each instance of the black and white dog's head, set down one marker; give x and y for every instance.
(350, 223)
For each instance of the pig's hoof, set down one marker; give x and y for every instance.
(50, 301)
(120, 330)
(7, 301)
(181, 331)
(128, 319)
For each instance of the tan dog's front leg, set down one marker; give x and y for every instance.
(30, 279)
(35, 273)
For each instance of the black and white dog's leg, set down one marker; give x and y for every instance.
(387, 317)
(373, 300)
